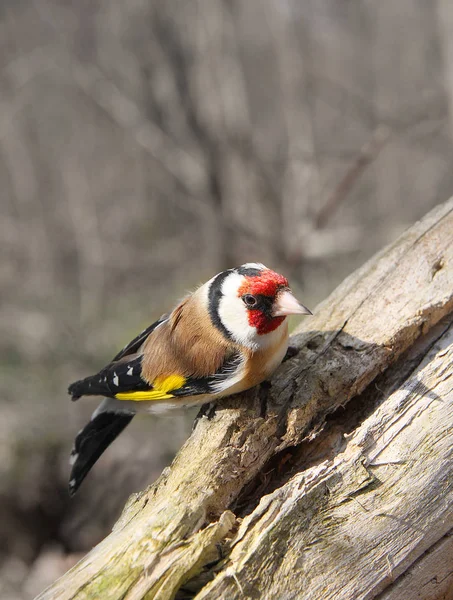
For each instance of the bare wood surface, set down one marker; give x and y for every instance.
(429, 578)
(371, 324)
(351, 526)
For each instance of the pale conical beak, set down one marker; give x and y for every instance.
(286, 304)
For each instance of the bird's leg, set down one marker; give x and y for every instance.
(263, 394)
(207, 410)
(290, 353)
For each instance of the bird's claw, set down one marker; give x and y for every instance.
(207, 410)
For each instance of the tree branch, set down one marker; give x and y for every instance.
(371, 324)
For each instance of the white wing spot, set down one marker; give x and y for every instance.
(130, 370)
(116, 381)
(73, 458)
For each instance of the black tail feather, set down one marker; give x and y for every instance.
(96, 385)
(91, 442)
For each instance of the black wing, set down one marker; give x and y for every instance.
(122, 380)
(117, 376)
(195, 386)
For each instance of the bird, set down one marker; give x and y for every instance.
(227, 336)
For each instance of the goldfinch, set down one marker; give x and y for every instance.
(227, 336)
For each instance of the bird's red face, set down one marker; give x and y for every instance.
(248, 303)
(258, 294)
(268, 300)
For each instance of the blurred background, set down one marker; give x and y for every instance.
(145, 146)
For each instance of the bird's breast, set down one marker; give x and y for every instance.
(262, 363)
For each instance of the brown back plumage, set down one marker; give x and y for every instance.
(187, 344)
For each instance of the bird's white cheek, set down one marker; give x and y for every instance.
(233, 313)
(234, 316)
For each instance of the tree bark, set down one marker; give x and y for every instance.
(334, 480)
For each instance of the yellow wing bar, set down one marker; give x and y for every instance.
(161, 387)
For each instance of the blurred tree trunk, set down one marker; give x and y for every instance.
(333, 481)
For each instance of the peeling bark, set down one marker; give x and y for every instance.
(339, 473)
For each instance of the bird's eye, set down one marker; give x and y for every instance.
(250, 300)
